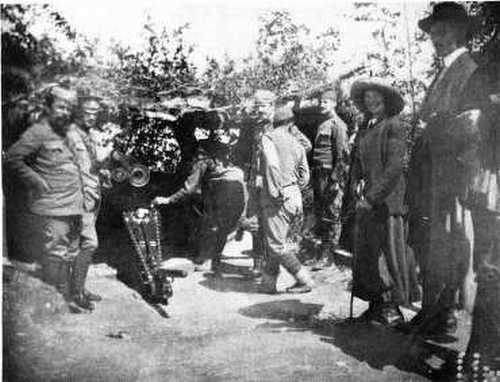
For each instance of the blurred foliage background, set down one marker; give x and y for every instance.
(40, 46)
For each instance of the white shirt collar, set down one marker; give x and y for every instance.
(450, 58)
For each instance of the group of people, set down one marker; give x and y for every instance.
(427, 219)
(57, 160)
(436, 209)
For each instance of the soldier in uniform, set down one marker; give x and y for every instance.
(47, 158)
(223, 194)
(443, 163)
(249, 149)
(284, 171)
(329, 174)
(90, 168)
(263, 104)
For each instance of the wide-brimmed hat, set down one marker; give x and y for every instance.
(447, 11)
(394, 102)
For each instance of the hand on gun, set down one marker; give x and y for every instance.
(249, 224)
(160, 200)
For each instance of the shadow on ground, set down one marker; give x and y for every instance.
(376, 345)
(233, 278)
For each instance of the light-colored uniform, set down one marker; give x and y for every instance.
(285, 171)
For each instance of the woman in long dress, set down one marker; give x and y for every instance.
(381, 267)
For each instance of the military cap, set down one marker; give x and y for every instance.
(91, 103)
(58, 92)
(283, 112)
(264, 96)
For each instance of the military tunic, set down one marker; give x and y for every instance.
(48, 163)
(285, 171)
(329, 161)
(223, 194)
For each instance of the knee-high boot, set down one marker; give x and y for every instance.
(55, 271)
(80, 268)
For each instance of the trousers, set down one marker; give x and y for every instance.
(327, 207)
(279, 226)
(485, 333)
(450, 252)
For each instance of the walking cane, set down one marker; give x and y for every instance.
(354, 261)
(358, 195)
(351, 305)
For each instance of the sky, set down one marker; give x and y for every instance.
(217, 27)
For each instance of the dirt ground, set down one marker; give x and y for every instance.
(218, 330)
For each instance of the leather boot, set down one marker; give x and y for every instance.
(78, 277)
(92, 296)
(85, 264)
(55, 272)
(216, 266)
(389, 315)
(268, 284)
(304, 283)
(324, 260)
(50, 270)
(445, 324)
(258, 265)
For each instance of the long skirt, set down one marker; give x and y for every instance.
(384, 268)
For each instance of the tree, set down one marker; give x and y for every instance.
(286, 55)
(398, 53)
(28, 58)
(161, 64)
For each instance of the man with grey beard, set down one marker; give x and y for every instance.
(46, 159)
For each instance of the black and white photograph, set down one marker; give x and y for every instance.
(250, 190)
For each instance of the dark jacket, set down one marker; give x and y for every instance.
(42, 158)
(221, 186)
(331, 146)
(485, 190)
(450, 141)
(379, 162)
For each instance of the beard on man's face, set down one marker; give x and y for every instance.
(60, 123)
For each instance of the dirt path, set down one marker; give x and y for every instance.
(219, 330)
